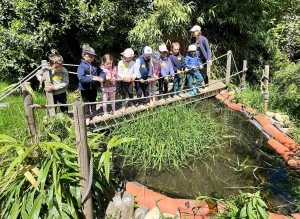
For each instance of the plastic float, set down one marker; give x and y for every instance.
(279, 141)
(185, 208)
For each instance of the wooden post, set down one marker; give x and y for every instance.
(83, 157)
(48, 81)
(228, 67)
(28, 110)
(265, 87)
(208, 69)
(243, 82)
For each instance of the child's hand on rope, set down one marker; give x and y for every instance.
(166, 78)
(201, 66)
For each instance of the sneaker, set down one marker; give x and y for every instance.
(87, 121)
(192, 93)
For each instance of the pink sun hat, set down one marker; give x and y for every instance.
(128, 53)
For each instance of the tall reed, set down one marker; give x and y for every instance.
(168, 136)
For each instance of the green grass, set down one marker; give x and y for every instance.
(13, 120)
(171, 137)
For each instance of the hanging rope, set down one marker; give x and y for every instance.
(90, 180)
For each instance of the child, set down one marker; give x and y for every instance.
(178, 65)
(164, 69)
(88, 74)
(152, 81)
(127, 75)
(143, 72)
(193, 64)
(60, 79)
(109, 85)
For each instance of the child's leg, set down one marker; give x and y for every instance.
(160, 85)
(112, 97)
(175, 84)
(199, 78)
(85, 98)
(179, 83)
(123, 93)
(104, 99)
(61, 98)
(190, 79)
(130, 93)
(166, 89)
(93, 98)
(139, 92)
(146, 92)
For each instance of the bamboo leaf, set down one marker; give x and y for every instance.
(61, 145)
(20, 158)
(35, 211)
(70, 175)
(116, 141)
(106, 159)
(243, 212)
(6, 138)
(55, 137)
(262, 212)
(14, 213)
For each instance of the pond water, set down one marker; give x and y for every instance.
(244, 163)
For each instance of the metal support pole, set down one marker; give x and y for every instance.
(243, 81)
(228, 67)
(47, 82)
(28, 109)
(83, 157)
(265, 87)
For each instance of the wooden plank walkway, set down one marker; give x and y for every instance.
(213, 89)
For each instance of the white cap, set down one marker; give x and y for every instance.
(192, 48)
(147, 51)
(163, 48)
(195, 28)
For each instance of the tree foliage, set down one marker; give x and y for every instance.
(30, 30)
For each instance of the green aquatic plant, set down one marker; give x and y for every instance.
(169, 136)
(244, 206)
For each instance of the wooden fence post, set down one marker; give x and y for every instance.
(83, 157)
(243, 82)
(28, 110)
(228, 67)
(48, 81)
(265, 87)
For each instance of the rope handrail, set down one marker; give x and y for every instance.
(29, 76)
(151, 79)
(74, 65)
(140, 98)
(25, 79)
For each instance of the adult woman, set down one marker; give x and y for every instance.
(203, 50)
